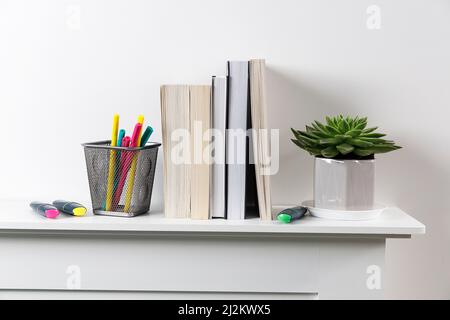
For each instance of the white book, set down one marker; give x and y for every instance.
(236, 142)
(175, 116)
(200, 114)
(186, 171)
(261, 142)
(219, 122)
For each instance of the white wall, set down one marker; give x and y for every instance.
(60, 83)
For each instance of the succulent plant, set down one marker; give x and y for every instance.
(342, 138)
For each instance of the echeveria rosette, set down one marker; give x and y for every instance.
(342, 138)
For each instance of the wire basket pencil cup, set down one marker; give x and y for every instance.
(120, 179)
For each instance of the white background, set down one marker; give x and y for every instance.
(67, 66)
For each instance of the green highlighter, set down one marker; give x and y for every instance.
(291, 214)
(146, 135)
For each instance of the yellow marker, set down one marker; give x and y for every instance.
(70, 207)
(112, 162)
(133, 171)
(141, 121)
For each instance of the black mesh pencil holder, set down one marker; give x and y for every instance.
(120, 179)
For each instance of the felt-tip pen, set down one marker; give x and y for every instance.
(70, 207)
(45, 209)
(291, 214)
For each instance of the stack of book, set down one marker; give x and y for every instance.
(216, 146)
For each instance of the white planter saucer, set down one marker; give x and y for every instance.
(343, 214)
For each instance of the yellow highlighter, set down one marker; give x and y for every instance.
(112, 163)
(129, 193)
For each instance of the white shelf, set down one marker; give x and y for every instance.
(17, 216)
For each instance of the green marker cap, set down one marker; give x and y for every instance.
(285, 218)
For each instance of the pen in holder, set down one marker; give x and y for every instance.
(120, 178)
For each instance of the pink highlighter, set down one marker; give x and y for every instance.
(121, 180)
(45, 209)
(125, 163)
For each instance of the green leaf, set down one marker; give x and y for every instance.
(333, 141)
(296, 133)
(335, 122)
(321, 131)
(330, 152)
(298, 143)
(313, 151)
(309, 135)
(332, 130)
(372, 135)
(304, 137)
(343, 136)
(384, 149)
(354, 133)
(341, 126)
(345, 148)
(312, 130)
(351, 124)
(349, 120)
(361, 125)
(369, 130)
(321, 126)
(373, 140)
(300, 134)
(363, 152)
(313, 135)
(359, 143)
(329, 121)
(346, 125)
(315, 132)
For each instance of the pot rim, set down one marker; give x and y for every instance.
(343, 160)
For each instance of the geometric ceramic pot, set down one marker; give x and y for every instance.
(344, 184)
